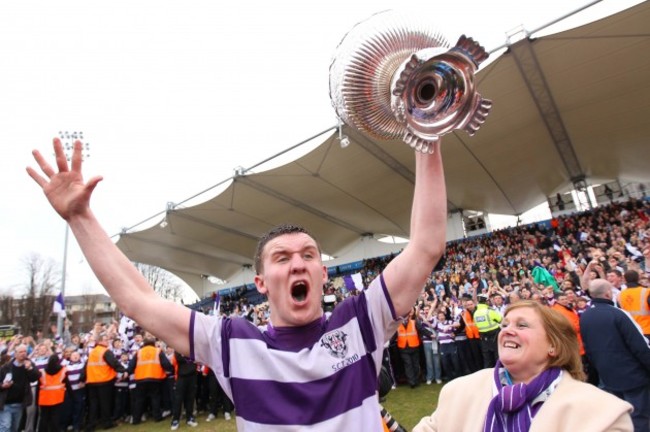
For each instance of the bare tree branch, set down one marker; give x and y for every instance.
(163, 282)
(42, 277)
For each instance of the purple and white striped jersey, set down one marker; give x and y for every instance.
(74, 374)
(322, 375)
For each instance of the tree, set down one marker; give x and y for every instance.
(7, 309)
(163, 282)
(42, 276)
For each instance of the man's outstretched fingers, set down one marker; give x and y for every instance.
(42, 163)
(61, 158)
(37, 178)
(77, 157)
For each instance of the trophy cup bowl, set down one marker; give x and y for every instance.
(395, 77)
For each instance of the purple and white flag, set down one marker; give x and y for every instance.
(59, 307)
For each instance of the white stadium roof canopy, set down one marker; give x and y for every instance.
(567, 107)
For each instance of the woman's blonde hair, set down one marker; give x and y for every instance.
(560, 334)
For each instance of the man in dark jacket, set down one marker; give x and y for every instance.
(15, 391)
(619, 351)
(184, 390)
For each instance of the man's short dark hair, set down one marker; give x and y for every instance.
(273, 233)
(617, 272)
(631, 277)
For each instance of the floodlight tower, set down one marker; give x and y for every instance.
(67, 140)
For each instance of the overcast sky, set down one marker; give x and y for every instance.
(172, 96)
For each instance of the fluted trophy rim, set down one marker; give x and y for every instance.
(365, 60)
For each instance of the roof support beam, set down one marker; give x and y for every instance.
(533, 76)
(380, 154)
(136, 237)
(245, 180)
(183, 215)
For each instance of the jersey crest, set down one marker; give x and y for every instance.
(334, 341)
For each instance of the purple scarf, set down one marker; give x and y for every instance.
(510, 409)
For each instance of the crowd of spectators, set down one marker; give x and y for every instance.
(548, 262)
(124, 339)
(539, 262)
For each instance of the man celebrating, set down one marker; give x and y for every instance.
(16, 377)
(281, 377)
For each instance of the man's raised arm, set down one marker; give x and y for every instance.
(70, 197)
(406, 275)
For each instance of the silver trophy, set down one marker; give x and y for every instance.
(394, 77)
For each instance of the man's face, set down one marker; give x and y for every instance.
(570, 295)
(563, 300)
(292, 278)
(21, 353)
(497, 300)
(614, 279)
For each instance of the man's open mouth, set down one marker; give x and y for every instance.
(299, 291)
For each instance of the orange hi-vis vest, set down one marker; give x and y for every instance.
(148, 364)
(97, 370)
(470, 326)
(574, 319)
(52, 391)
(635, 301)
(407, 336)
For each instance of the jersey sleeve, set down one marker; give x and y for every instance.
(381, 311)
(205, 341)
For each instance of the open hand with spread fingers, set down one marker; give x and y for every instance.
(65, 189)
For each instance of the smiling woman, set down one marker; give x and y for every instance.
(536, 385)
(529, 343)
